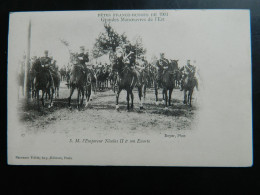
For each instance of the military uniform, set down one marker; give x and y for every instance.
(46, 63)
(189, 70)
(126, 56)
(83, 58)
(162, 64)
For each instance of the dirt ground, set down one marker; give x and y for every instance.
(100, 115)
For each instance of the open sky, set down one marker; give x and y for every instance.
(198, 35)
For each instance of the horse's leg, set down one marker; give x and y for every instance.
(127, 98)
(81, 103)
(191, 92)
(79, 89)
(96, 86)
(170, 96)
(58, 90)
(185, 96)
(43, 91)
(71, 93)
(88, 94)
(114, 86)
(156, 93)
(117, 98)
(140, 90)
(132, 99)
(51, 92)
(54, 95)
(144, 90)
(38, 99)
(165, 98)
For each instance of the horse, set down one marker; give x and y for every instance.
(56, 79)
(125, 79)
(62, 73)
(168, 82)
(105, 75)
(150, 77)
(68, 73)
(189, 82)
(178, 78)
(77, 80)
(144, 80)
(102, 77)
(42, 80)
(88, 85)
(113, 79)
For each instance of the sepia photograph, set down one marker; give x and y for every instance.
(130, 87)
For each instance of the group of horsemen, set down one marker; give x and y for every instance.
(125, 55)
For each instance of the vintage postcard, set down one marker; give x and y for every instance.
(130, 88)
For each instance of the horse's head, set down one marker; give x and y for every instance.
(173, 65)
(117, 62)
(36, 66)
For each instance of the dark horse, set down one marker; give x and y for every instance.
(43, 80)
(78, 79)
(168, 82)
(126, 80)
(189, 82)
(103, 77)
(56, 78)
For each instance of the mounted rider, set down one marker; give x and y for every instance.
(83, 58)
(125, 55)
(142, 63)
(46, 63)
(189, 70)
(162, 64)
(46, 60)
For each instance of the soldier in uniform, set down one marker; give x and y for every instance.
(130, 60)
(125, 55)
(46, 60)
(189, 70)
(162, 65)
(129, 57)
(142, 62)
(46, 63)
(83, 57)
